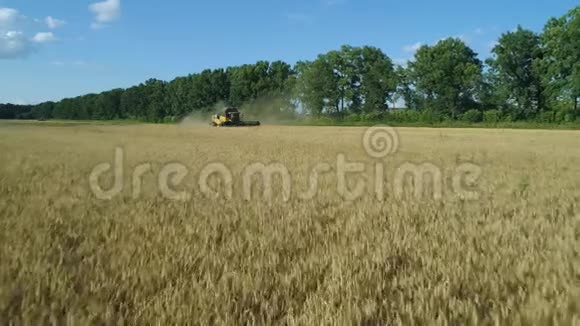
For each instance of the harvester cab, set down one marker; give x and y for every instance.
(231, 118)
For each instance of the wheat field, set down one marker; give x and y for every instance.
(508, 256)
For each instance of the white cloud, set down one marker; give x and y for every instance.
(479, 31)
(13, 44)
(53, 23)
(57, 63)
(412, 48)
(105, 12)
(44, 37)
(8, 17)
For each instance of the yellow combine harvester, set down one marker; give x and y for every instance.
(231, 118)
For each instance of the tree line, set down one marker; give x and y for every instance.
(529, 77)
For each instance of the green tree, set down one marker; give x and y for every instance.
(107, 105)
(351, 79)
(208, 88)
(377, 78)
(155, 108)
(446, 76)
(406, 90)
(561, 64)
(43, 110)
(133, 103)
(347, 81)
(490, 94)
(516, 58)
(316, 86)
(241, 84)
(281, 76)
(178, 99)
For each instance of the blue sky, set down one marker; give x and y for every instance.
(50, 49)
